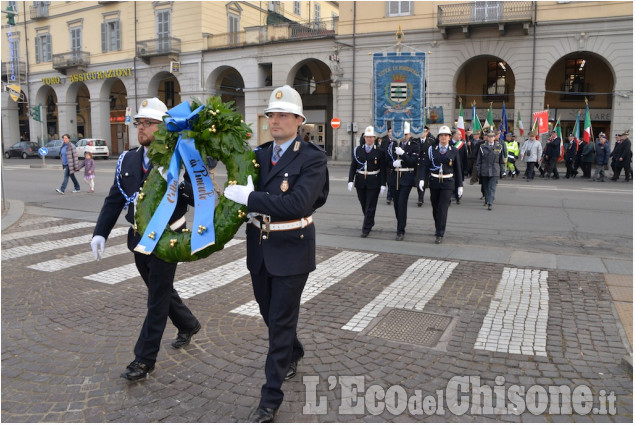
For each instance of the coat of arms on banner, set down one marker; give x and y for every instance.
(400, 90)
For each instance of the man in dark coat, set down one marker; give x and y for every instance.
(163, 300)
(292, 184)
(368, 175)
(623, 158)
(425, 142)
(552, 153)
(570, 155)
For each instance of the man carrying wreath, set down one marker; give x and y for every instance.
(163, 300)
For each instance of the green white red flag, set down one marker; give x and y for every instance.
(588, 130)
(460, 122)
(519, 125)
(489, 122)
(476, 123)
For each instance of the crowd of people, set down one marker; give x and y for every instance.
(442, 163)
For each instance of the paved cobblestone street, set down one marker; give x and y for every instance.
(69, 325)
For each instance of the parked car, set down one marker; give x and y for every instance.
(98, 147)
(54, 147)
(22, 149)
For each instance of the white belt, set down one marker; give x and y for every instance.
(404, 169)
(442, 176)
(368, 173)
(178, 223)
(282, 225)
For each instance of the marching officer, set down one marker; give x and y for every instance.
(401, 159)
(425, 142)
(385, 142)
(489, 163)
(368, 175)
(293, 183)
(163, 300)
(442, 167)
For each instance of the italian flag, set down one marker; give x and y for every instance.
(489, 122)
(558, 129)
(476, 123)
(519, 125)
(460, 123)
(588, 130)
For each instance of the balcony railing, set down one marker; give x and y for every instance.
(63, 61)
(271, 33)
(575, 92)
(163, 46)
(19, 70)
(496, 93)
(484, 13)
(41, 11)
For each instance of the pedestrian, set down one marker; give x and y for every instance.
(457, 143)
(163, 300)
(425, 142)
(292, 184)
(623, 159)
(588, 158)
(531, 152)
(368, 175)
(88, 164)
(552, 153)
(570, 155)
(70, 164)
(512, 154)
(402, 159)
(601, 158)
(385, 142)
(489, 162)
(442, 167)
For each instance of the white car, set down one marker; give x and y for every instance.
(97, 147)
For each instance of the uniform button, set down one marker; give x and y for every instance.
(264, 236)
(301, 236)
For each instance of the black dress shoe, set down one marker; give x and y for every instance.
(182, 339)
(438, 239)
(137, 370)
(263, 415)
(399, 237)
(364, 235)
(419, 204)
(293, 369)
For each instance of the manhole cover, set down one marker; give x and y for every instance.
(412, 327)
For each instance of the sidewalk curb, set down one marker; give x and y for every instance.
(15, 209)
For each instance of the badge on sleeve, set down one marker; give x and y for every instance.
(284, 186)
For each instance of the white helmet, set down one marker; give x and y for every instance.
(406, 127)
(285, 99)
(153, 109)
(445, 130)
(370, 131)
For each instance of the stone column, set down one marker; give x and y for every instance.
(11, 122)
(67, 119)
(100, 120)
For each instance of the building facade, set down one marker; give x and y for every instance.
(89, 64)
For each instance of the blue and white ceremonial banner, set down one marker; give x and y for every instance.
(399, 92)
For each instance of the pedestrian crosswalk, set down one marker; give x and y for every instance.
(515, 322)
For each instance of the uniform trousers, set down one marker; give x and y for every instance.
(531, 170)
(279, 300)
(552, 168)
(489, 185)
(163, 302)
(618, 170)
(368, 200)
(440, 200)
(400, 198)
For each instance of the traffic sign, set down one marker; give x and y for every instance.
(43, 151)
(335, 123)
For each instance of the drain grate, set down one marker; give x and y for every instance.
(412, 327)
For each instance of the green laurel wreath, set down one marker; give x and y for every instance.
(220, 133)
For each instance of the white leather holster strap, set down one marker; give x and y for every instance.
(177, 224)
(368, 173)
(404, 169)
(442, 176)
(280, 226)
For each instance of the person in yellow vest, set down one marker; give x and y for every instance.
(512, 154)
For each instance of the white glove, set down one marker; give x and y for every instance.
(421, 185)
(382, 190)
(164, 174)
(239, 193)
(399, 150)
(396, 163)
(98, 243)
(350, 186)
(459, 191)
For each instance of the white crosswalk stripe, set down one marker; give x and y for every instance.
(516, 321)
(327, 274)
(212, 279)
(46, 231)
(412, 291)
(37, 248)
(129, 271)
(78, 259)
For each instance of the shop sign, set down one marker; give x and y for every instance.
(100, 75)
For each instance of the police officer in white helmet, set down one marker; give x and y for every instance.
(163, 300)
(292, 184)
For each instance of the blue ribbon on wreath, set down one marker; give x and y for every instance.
(180, 119)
